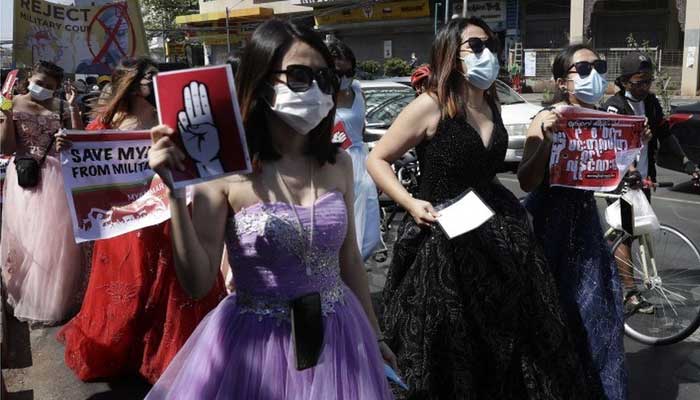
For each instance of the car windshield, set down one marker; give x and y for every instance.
(385, 103)
(375, 96)
(385, 113)
(506, 95)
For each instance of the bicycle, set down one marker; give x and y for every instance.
(666, 271)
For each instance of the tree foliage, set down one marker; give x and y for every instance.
(159, 15)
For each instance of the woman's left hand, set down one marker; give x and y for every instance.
(71, 94)
(388, 356)
(61, 142)
(646, 134)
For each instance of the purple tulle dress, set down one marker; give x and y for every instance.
(243, 348)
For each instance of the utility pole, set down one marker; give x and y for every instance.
(464, 8)
(435, 17)
(228, 36)
(447, 11)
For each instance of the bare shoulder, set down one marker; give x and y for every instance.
(338, 175)
(425, 103)
(211, 189)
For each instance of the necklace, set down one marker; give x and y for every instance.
(307, 247)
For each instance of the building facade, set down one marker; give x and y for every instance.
(378, 30)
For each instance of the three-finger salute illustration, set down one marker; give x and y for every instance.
(199, 134)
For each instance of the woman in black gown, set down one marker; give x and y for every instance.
(478, 316)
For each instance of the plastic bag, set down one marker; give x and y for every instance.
(645, 220)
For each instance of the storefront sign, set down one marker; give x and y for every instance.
(376, 12)
(530, 63)
(493, 12)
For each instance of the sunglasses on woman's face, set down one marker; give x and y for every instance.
(477, 45)
(346, 73)
(301, 77)
(584, 68)
(643, 82)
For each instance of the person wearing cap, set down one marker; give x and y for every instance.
(635, 98)
(103, 80)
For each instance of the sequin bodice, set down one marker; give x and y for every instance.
(34, 132)
(456, 159)
(271, 259)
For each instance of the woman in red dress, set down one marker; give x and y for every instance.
(135, 317)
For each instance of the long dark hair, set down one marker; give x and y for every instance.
(126, 79)
(446, 80)
(341, 51)
(562, 63)
(262, 55)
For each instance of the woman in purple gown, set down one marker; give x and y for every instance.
(290, 235)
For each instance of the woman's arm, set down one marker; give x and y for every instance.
(409, 129)
(351, 265)
(198, 240)
(538, 145)
(352, 269)
(76, 120)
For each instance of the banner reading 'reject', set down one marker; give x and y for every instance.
(592, 150)
(83, 40)
(111, 189)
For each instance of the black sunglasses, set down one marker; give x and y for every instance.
(478, 45)
(584, 68)
(643, 82)
(347, 73)
(301, 77)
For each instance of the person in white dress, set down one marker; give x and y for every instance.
(350, 112)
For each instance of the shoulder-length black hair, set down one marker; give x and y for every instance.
(262, 55)
(447, 79)
(562, 63)
(341, 51)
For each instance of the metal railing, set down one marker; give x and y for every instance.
(668, 62)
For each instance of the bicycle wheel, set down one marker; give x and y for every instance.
(674, 291)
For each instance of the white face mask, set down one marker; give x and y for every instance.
(345, 83)
(482, 69)
(39, 93)
(302, 111)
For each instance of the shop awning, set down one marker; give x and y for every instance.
(237, 15)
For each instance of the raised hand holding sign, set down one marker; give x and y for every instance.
(206, 115)
(199, 134)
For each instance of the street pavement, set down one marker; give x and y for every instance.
(35, 367)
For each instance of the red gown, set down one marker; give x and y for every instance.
(135, 316)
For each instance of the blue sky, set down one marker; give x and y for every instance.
(6, 19)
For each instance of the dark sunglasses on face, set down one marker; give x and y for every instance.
(478, 45)
(584, 68)
(643, 82)
(347, 74)
(300, 78)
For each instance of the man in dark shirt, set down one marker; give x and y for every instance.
(635, 98)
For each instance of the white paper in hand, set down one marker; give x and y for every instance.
(466, 214)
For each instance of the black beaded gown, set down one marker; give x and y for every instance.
(478, 316)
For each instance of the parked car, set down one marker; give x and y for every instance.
(685, 125)
(386, 99)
